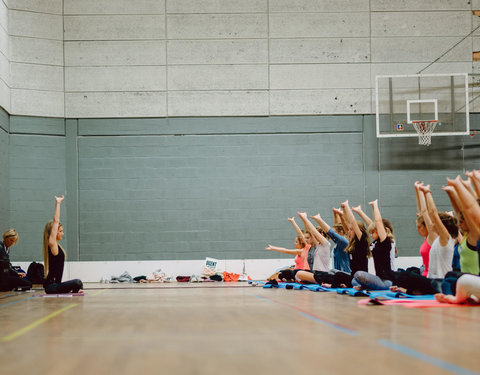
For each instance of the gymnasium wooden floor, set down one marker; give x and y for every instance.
(232, 329)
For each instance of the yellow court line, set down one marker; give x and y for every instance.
(31, 326)
(97, 293)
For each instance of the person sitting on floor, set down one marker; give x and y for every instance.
(12, 279)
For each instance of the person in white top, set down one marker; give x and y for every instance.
(446, 227)
(320, 251)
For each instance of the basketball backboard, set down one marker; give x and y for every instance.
(404, 99)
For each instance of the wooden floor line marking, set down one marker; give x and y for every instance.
(31, 326)
(97, 293)
(11, 303)
(426, 358)
(314, 317)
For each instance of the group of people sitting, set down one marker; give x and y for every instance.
(449, 251)
(53, 258)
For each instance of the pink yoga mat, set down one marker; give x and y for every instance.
(413, 303)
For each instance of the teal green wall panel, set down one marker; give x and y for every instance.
(37, 125)
(188, 197)
(223, 125)
(37, 173)
(154, 189)
(4, 173)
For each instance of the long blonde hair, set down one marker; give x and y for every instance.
(388, 229)
(46, 236)
(355, 242)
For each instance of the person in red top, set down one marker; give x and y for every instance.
(424, 228)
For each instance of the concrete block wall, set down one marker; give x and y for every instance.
(36, 57)
(115, 58)
(176, 58)
(4, 55)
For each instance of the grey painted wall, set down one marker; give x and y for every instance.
(164, 58)
(4, 171)
(140, 189)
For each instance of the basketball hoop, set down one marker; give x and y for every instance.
(424, 130)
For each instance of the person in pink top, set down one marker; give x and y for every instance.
(302, 246)
(424, 228)
(300, 251)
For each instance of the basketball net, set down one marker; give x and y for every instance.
(424, 130)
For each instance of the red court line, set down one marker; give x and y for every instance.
(314, 317)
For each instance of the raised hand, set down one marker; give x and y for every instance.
(337, 211)
(302, 214)
(291, 219)
(373, 203)
(317, 217)
(425, 188)
(357, 209)
(59, 199)
(448, 188)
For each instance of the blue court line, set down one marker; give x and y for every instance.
(426, 358)
(311, 316)
(263, 298)
(329, 324)
(11, 303)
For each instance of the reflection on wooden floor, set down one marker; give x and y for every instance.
(230, 328)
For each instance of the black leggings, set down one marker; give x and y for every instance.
(342, 278)
(72, 286)
(417, 284)
(288, 275)
(13, 282)
(323, 277)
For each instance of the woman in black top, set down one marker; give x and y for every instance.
(382, 245)
(54, 256)
(358, 248)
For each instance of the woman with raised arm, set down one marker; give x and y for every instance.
(341, 261)
(424, 228)
(382, 237)
(318, 255)
(300, 251)
(445, 226)
(393, 251)
(358, 248)
(54, 256)
(467, 239)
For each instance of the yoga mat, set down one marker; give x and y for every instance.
(352, 292)
(59, 295)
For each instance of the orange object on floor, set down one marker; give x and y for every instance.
(229, 277)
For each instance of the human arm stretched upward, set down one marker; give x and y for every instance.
(299, 232)
(469, 203)
(432, 234)
(377, 218)
(433, 214)
(350, 219)
(321, 223)
(52, 240)
(316, 235)
(358, 210)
